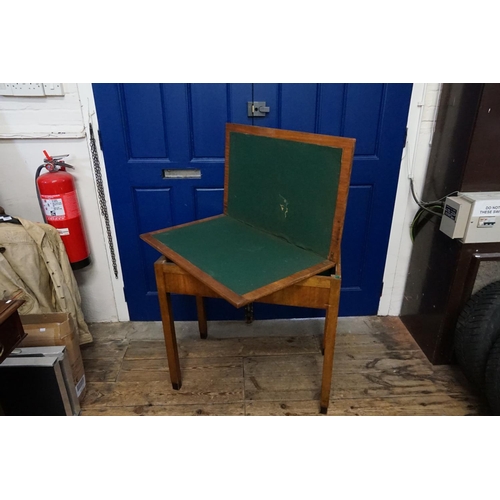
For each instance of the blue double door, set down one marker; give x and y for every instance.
(163, 146)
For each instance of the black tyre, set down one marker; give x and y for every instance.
(492, 378)
(477, 329)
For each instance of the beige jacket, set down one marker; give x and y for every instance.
(34, 266)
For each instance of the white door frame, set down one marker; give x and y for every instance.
(89, 114)
(421, 121)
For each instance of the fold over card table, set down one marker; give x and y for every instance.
(285, 196)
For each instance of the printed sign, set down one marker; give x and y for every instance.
(53, 207)
(450, 212)
(80, 386)
(486, 207)
(60, 206)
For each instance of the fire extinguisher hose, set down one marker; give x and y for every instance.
(37, 174)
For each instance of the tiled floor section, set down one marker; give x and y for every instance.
(269, 368)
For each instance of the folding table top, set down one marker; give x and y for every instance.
(284, 204)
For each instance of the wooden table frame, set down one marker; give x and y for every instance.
(303, 289)
(318, 292)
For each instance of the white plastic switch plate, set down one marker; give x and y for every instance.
(53, 88)
(31, 89)
(27, 89)
(5, 89)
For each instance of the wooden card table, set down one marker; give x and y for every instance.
(285, 196)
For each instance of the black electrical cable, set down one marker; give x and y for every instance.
(420, 203)
(426, 211)
(37, 174)
(440, 199)
(420, 219)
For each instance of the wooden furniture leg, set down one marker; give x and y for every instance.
(329, 342)
(338, 273)
(320, 292)
(202, 316)
(167, 321)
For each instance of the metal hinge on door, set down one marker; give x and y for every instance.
(257, 108)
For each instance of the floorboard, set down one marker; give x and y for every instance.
(269, 368)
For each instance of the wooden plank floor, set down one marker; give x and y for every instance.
(269, 368)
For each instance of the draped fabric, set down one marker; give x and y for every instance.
(34, 267)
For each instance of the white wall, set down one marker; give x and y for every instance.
(421, 123)
(28, 125)
(42, 117)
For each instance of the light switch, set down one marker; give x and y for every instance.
(53, 88)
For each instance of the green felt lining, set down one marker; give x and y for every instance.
(239, 256)
(284, 187)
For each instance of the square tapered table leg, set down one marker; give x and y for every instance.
(167, 321)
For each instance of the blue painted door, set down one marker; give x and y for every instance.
(150, 129)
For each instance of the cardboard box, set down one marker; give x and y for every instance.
(53, 329)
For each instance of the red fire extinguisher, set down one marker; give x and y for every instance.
(60, 207)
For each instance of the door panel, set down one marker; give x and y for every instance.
(362, 115)
(139, 101)
(147, 129)
(355, 240)
(208, 111)
(208, 202)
